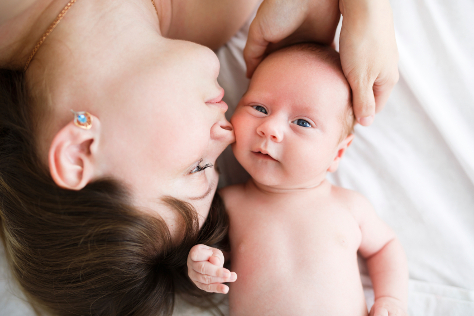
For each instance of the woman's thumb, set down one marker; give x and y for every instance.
(363, 103)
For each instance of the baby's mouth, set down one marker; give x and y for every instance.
(263, 155)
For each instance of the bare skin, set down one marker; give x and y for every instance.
(23, 22)
(115, 60)
(294, 252)
(367, 43)
(294, 236)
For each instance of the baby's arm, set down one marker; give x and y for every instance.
(205, 269)
(386, 261)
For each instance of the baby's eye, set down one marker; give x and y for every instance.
(302, 123)
(260, 109)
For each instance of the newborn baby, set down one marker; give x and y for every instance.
(294, 236)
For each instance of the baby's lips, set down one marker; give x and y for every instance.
(264, 152)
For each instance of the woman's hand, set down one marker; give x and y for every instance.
(279, 23)
(369, 54)
(205, 269)
(368, 49)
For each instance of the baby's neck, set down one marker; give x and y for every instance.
(269, 189)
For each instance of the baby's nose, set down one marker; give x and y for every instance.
(271, 130)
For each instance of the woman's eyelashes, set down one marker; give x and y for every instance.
(200, 168)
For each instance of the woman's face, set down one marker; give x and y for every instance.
(165, 127)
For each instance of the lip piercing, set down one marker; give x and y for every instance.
(82, 119)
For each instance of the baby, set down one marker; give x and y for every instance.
(294, 236)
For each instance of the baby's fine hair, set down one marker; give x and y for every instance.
(331, 57)
(87, 252)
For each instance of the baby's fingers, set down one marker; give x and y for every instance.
(225, 276)
(217, 257)
(200, 253)
(213, 288)
(208, 270)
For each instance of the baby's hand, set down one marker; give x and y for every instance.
(205, 269)
(388, 306)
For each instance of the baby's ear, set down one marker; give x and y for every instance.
(341, 149)
(72, 155)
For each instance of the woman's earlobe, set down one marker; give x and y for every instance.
(72, 155)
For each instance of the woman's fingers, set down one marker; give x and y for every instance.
(363, 102)
(275, 20)
(369, 55)
(383, 87)
(370, 95)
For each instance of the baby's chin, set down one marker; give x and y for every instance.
(274, 182)
(283, 183)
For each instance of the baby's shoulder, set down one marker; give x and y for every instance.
(232, 194)
(352, 200)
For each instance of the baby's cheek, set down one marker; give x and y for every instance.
(239, 123)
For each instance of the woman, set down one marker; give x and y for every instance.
(99, 209)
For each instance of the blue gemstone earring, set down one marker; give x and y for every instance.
(82, 119)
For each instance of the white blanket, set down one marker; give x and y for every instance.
(415, 163)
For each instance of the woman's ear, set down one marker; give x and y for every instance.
(72, 155)
(341, 149)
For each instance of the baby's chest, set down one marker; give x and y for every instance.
(297, 229)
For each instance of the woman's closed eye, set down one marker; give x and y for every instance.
(302, 123)
(260, 108)
(200, 168)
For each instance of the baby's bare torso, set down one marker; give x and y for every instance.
(294, 253)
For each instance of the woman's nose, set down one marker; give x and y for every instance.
(222, 130)
(271, 130)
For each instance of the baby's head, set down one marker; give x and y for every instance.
(295, 121)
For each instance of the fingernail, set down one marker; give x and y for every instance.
(225, 274)
(226, 290)
(367, 120)
(233, 277)
(204, 247)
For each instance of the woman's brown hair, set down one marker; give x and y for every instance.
(87, 252)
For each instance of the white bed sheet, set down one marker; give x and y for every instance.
(415, 163)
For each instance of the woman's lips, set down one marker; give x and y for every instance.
(218, 101)
(217, 98)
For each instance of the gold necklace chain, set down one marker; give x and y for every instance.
(48, 31)
(153, 2)
(53, 25)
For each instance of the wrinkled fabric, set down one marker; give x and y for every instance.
(416, 162)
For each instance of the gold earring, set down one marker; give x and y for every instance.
(82, 119)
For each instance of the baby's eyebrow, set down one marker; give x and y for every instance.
(209, 190)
